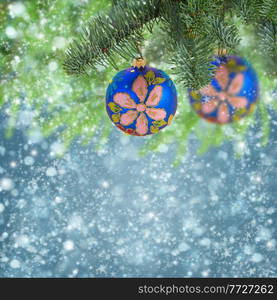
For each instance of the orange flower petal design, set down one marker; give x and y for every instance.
(209, 106)
(223, 113)
(142, 124)
(237, 102)
(156, 114)
(140, 87)
(236, 84)
(222, 76)
(155, 96)
(124, 100)
(128, 118)
(208, 90)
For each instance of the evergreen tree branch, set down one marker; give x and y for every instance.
(225, 34)
(192, 62)
(263, 15)
(247, 10)
(268, 34)
(268, 10)
(195, 31)
(118, 32)
(189, 50)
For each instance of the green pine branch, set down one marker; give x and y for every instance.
(194, 29)
(117, 33)
(191, 64)
(268, 35)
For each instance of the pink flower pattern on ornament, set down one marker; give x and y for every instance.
(228, 93)
(138, 112)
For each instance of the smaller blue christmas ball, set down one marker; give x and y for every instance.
(141, 100)
(231, 94)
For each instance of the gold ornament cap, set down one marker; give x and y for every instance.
(139, 62)
(220, 52)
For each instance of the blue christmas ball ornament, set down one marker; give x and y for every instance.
(141, 100)
(231, 94)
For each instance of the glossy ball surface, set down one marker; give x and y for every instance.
(141, 101)
(231, 94)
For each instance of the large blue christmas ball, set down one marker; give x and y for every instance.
(141, 101)
(231, 94)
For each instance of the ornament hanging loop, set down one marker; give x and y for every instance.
(139, 61)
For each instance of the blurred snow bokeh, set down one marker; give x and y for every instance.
(111, 213)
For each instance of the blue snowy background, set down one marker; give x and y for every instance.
(111, 213)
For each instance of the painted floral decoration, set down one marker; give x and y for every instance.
(231, 94)
(138, 107)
